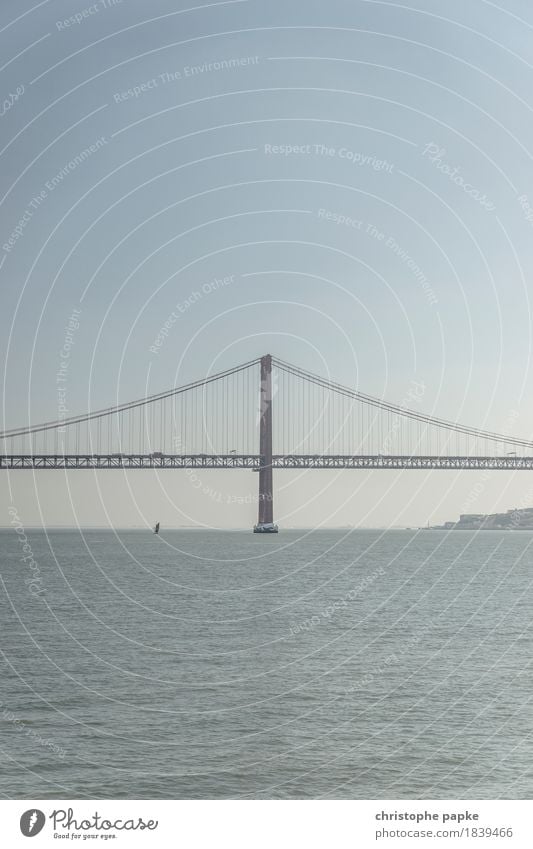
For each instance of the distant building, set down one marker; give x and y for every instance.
(515, 519)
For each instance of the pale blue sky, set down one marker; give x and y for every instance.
(181, 191)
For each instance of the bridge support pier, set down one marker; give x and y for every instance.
(265, 518)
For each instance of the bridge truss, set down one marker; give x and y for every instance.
(253, 462)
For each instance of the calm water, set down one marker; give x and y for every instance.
(210, 665)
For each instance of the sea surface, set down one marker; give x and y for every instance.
(326, 664)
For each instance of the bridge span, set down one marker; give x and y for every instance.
(253, 462)
(263, 415)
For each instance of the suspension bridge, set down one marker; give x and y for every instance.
(262, 415)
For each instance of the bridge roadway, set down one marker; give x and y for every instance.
(252, 461)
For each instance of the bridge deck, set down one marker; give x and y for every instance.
(253, 461)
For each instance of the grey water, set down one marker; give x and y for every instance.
(326, 664)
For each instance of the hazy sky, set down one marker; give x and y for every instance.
(170, 144)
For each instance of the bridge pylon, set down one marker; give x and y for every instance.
(265, 518)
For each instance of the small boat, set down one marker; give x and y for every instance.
(156, 529)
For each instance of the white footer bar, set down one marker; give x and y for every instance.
(265, 824)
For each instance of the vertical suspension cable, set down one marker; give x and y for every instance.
(225, 435)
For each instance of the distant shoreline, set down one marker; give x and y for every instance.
(206, 530)
(517, 519)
